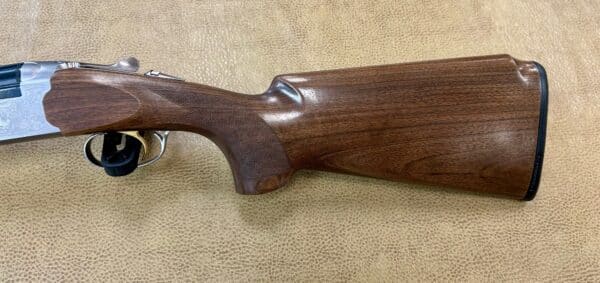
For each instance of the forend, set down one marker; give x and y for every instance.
(476, 124)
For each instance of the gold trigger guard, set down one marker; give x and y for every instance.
(161, 136)
(136, 135)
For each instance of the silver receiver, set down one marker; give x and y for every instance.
(126, 65)
(22, 115)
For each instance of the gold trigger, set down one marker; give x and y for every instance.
(139, 137)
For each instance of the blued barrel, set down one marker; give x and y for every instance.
(10, 79)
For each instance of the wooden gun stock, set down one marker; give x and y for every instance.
(471, 123)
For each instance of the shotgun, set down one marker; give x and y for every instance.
(476, 124)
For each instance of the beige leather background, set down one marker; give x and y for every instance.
(62, 219)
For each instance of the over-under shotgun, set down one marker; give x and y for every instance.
(476, 124)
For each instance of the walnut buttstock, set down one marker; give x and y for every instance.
(476, 124)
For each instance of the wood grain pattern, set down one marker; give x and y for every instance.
(468, 123)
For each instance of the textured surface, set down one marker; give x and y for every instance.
(181, 219)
